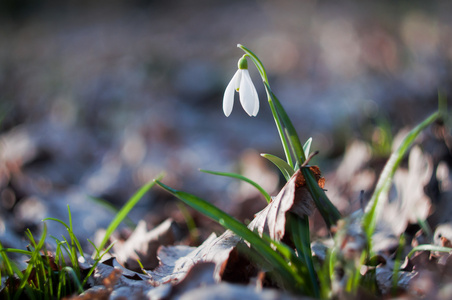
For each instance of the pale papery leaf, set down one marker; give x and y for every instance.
(293, 197)
(176, 261)
(384, 277)
(234, 291)
(143, 245)
(408, 203)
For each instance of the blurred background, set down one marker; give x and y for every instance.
(99, 97)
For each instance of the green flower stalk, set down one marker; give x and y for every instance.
(293, 149)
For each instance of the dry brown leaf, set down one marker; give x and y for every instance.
(143, 245)
(350, 236)
(414, 203)
(434, 275)
(200, 275)
(384, 275)
(227, 291)
(176, 261)
(294, 197)
(408, 205)
(110, 283)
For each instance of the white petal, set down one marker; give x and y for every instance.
(248, 94)
(256, 104)
(236, 79)
(228, 98)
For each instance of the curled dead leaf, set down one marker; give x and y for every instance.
(294, 197)
(143, 245)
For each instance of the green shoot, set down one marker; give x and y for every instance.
(301, 238)
(284, 167)
(307, 147)
(375, 205)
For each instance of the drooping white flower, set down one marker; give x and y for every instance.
(241, 83)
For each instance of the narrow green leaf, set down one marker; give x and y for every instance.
(329, 212)
(6, 261)
(74, 239)
(75, 278)
(373, 209)
(243, 178)
(429, 247)
(302, 241)
(397, 264)
(34, 257)
(19, 251)
(284, 167)
(96, 261)
(292, 135)
(307, 147)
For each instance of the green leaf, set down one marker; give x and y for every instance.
(291, 133)
(284, 167)
(302, 241)
(429, 248)
(307, 147)
(288, 271)
(375, 206)
(243, 178)
(329, 212)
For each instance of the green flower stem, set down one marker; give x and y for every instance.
(281, 133)
(263, 73)
(291, 133)
(291, 142)
(257, 62)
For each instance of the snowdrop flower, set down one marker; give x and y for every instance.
(241, 82)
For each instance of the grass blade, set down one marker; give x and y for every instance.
(429, 247)
(373, 209)
(243, 178)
